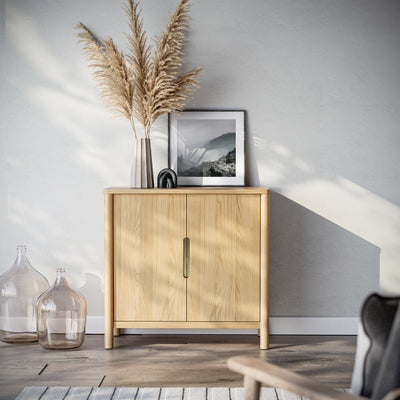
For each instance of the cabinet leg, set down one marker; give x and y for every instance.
(108, 337)
(258, 332)
(108, 272)
(117, 331)
(264, 338)
(108, 342)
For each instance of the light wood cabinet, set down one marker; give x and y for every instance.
(186, 258)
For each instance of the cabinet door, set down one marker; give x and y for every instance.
(224, 282)
(148, 262)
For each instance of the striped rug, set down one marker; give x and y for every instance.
(148, 393)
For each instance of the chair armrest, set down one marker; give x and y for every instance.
(393, 395)
(261, 371)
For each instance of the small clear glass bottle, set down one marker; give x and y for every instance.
(20, 286)
(61, 311)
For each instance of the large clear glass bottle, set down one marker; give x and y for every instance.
(20, 286)
(61, 316)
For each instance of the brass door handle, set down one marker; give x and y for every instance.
(186, 257)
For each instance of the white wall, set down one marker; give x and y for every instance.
(320, 82)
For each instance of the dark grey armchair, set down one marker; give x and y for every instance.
(376, 372)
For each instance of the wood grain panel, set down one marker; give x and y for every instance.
(173, 360)
(224, 231)
(148, 246)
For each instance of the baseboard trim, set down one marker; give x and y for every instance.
(278, 326)
(95, 325)
(313, 325)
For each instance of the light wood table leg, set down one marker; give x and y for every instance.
(251, 388)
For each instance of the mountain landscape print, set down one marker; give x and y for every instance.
(208, 149)
(217, 157)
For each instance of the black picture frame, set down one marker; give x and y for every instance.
(207, 147)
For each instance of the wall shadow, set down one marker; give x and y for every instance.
(317, 268)
(91, 290)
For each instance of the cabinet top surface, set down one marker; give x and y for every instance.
(190, 190)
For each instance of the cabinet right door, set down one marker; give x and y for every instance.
(224, 281)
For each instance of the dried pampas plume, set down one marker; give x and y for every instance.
(146, 83)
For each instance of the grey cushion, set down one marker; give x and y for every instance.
(377, 316)
(389, 372)
(363, 345)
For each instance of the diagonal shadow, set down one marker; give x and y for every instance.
(317, 268)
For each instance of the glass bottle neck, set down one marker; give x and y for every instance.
(60, 280)
(22, 259)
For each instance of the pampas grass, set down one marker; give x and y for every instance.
(147, 82)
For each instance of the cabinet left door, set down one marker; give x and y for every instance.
(148, 257)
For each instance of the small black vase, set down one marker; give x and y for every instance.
(167, 178)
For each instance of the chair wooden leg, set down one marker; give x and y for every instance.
(251, 388)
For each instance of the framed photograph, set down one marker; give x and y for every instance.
(206, 148)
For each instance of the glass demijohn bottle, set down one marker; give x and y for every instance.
(20, 286)
(61, 318)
